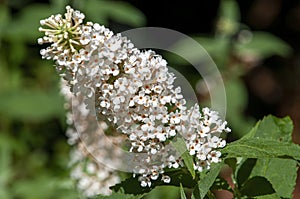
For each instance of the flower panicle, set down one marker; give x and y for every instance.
(135, 92)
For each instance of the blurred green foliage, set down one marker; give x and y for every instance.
(34, 152)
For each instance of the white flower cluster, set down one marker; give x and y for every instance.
(202, 136)
(133, 92)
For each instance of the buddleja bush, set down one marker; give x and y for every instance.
(138, 108)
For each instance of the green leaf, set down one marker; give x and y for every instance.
(281, 173)
(229, 9)
(237, 101)
(244, 171)
(273, 128)
(182, 194)
(4, 19)
(206, 181)
(229, 17)
(132, 186)
(269, 196)
(42, 186)
(257, 186)
(163, 192)
(180, 146)
(119, 195)
(32, 105)
(59, 4)
(277, 129)
(6, 170)
(193, 52)
(232, 163)
(27, 22)
(123, 12)
(261, 148)
(263, 45)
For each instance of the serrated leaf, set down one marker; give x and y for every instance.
(273, 128)
(261, 148)
(263, 45)
(277, 129)
(182, 194)
(281, 173)
(257, 186)
(206, 181)
(180, 146)
(119, 195)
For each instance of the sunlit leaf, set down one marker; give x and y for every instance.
(182, 194)
(278, 129)
(273, 128)
(261, 148)
(281, 173)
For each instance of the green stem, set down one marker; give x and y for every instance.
(210, 195)
(237, 193)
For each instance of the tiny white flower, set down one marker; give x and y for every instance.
(166, 179)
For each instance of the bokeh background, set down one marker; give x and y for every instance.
(255, 44)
